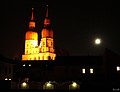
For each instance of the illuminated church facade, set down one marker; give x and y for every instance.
(43, 51)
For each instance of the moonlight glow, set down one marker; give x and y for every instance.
(97, 41)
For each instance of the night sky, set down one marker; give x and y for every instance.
(76, 23)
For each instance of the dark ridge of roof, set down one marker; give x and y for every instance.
(7, 60)
(68, 60)
(80, 60)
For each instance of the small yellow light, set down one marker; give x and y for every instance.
(23, 64)
(48, 84)
(24, 84)
(6, 78)
(29, 64)
(9, 79)
(74, 84)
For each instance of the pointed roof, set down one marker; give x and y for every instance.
(47, 20)
(47, 12)
(32, 22)
(32, 16)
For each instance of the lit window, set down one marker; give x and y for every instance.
(23, 64)
(6, 78)
(118, 68)
(83, 70)
(9, 79)
(29, 64)
(91, 70)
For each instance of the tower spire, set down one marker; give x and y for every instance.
(32, 22)
(32, 17)
(47, 11)
(47, 20)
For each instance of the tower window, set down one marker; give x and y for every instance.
(27, 52)
(43, 43)
(51, 43)
(83, 70)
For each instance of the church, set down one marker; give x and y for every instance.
(43, 51)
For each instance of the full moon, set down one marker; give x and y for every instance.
(97, 41)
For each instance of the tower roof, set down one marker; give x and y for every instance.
(47, 12)
(47, 31)
(32, 22)
(47, 20)
(32, 16)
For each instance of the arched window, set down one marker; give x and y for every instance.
(39, 58)
(34, 58)
(51, 43)
(49, 58)
(43, 43)
(42, 57)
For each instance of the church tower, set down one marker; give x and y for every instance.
(44, 51)
(31, 40)
(47, 42)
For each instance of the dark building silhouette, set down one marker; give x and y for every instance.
(89, 72)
